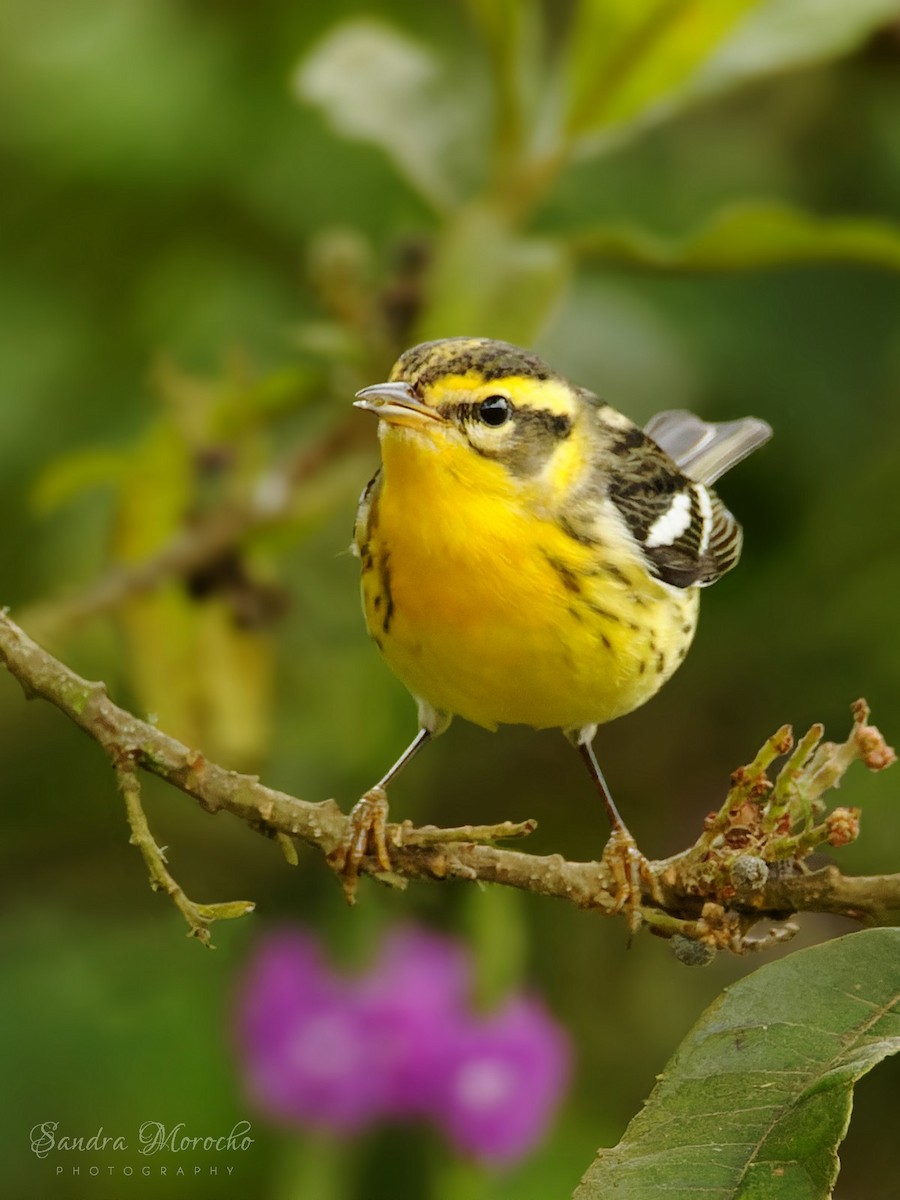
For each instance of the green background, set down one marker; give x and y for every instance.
(182, 235)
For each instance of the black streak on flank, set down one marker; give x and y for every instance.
(385, 573)
(581, 536)
(615, 573)
(612, 617)
(568, 576)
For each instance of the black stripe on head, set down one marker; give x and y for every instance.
(531, 422)
(556, 425)
(534, 436)
(422, 365)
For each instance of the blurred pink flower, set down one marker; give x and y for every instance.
(410, 998)
(504, 1076)
(323, 1051)
(306, 1052)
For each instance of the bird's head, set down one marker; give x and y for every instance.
(480, 396)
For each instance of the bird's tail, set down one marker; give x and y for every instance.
(701, 449)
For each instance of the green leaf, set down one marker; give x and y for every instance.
(628, 55)
(191, 662)
(73, 474)
(784, 34)
(631, 63)
(379, 86)
(756, 1100)
(155, 492)
(509, 30)
(748, 237)
(234, 683)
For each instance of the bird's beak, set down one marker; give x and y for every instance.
(395, 402)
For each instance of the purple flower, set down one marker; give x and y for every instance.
(327, 1052)
(307, 1053)
(419, 983)
(503, 1079)
(430, 970)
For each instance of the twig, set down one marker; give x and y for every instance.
(711, 892)
(431, 835)
(198, 916)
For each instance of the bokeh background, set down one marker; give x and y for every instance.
(217, 222)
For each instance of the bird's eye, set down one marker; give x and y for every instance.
(495, 410)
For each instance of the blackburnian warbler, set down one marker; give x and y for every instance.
(531, 556)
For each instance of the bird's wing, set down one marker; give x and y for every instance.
(360, 543)
(704, 451)
(681, 528)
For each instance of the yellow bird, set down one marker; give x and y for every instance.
(531, 556)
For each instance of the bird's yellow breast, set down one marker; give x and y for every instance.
(485, 607)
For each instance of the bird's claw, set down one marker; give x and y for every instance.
(366, 830)
(632, 875)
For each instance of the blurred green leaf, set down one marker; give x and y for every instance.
(510, 32)
(626, 56)
(234, 675)
(204, 678)
(783, 34)
(757, 1098)
(155, 494)
(191, 662)
(633, 62)
(71, 475)
(380, 86)
(489, 280)
(748, 237)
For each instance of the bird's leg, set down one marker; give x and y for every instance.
(629, 868)
(367, 822)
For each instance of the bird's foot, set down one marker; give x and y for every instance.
(632, 875)
(366, 831)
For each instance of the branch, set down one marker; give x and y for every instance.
(748, 863)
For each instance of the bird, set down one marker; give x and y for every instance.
(529, 555)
